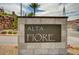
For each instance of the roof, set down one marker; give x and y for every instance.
(76, 21)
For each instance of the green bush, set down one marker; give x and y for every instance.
(10, 32)
(4, 32)
(14, 32)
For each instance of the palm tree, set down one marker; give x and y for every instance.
(34, 6)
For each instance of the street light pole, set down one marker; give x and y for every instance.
(20, 9)
(64, 10)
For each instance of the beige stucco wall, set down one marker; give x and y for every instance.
(42, 48)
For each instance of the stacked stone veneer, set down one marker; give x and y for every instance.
(6, 22)
(42, 48)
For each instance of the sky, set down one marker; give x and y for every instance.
(45, 9)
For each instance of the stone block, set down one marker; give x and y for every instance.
(41, 51)
(48, 21)
(32, 21)
(27, 52)
(62, 51)
(53, 51)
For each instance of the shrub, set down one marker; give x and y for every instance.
(14, 32)
(4, 32)
(9, 32)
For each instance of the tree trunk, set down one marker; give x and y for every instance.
(34, 11)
